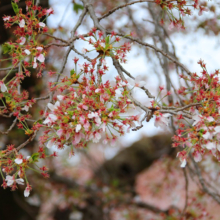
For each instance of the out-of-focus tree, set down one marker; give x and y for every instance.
(71, 91)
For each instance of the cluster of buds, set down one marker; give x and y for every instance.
(105, 45)
(26, 53)
(13, 166)
(204, 133)
(182, 6)
(29, 26)
(13, 162)
(87, 110)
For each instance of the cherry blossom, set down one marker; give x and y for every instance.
(3, 87)
(197, 119)
(51, 144)
(60, 97)
(26, 107)
(41, 24)
(19, 160)
(49, 11)
(90, 107)
(22, 40)
(137, 82)
(11, 179)
(22, 23)
(41, 58)
(51, 118)
(182, 158)
(27, 51)
(27, 190)
(78, 127)
(35, 63)
(53, 107)
(162, 120)
(6, 18)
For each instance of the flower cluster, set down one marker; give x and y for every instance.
(26, 47)
(204, 133)
(26, 53)
(105, 45)
(86, 110)
(183, 9)
(16, 164)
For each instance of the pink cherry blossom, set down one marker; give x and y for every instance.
(60, 132)
(41, 58)
(197, 119)
(22, 40)
(49, 10)
(197, 156)
(162, 120)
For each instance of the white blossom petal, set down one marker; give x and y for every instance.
(41, 58)
(78, 127)
(3, 87)
(27, 51)
(60, 97)
(183, 164)
(41, 24)
(23, 40)
(18, 160)
(26, 192)
(22, 23)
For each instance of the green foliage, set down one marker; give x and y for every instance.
(7, 48)
(77, 7)
(72, 72)
(34, 157)
(15, 7)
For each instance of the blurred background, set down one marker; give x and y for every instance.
(139, 177)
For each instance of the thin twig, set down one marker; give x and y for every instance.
(10, 128)
(215, 196)
(122, 6)
(156, 49)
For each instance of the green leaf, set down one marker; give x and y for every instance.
(72, 72)
(70, 113)
(111, 109)
(107, 39)
(7, 48)
(40, 121)
(34, 157)
(77, 7)
(15, 7)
